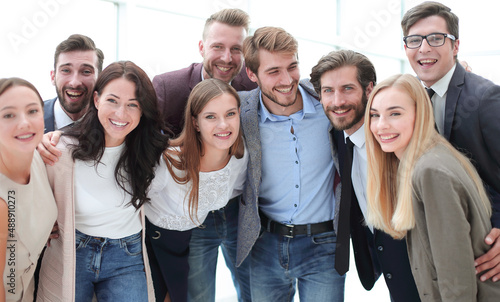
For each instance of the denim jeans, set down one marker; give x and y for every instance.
(113, 269)
(278, 263)
(220, 229)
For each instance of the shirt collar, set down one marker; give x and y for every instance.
(307, 107)
(61, 118)
(441, 86)
(358, 137)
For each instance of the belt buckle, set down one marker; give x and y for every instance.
(291, 235)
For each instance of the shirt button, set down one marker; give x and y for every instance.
(388, 276)
(295, 205)
(296, 186)
(297, 162)
(380, 248)
(294, 138)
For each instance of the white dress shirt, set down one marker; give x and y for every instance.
(439, 98)
(359, 169)
(61, 118)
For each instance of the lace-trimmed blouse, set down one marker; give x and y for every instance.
(168, 208)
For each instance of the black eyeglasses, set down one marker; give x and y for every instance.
(434, 40)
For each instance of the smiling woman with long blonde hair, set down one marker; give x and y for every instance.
(421, 188)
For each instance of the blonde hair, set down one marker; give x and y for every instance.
(389, 187)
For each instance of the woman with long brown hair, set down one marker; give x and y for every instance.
(201, 171)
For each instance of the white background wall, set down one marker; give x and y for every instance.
(163, 35)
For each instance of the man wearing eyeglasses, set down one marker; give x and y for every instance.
(466, 106)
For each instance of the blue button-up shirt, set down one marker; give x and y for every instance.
(297, 165)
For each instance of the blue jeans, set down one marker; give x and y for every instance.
(220, 229)
(113, 269)
(278, 263)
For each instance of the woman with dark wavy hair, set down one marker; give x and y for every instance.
(100, 184)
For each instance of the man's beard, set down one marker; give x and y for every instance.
(72, 107)
(359, 113)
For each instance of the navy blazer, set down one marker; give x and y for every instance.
(377, 252)
(48, 114)
(471, 125)
(173, 89)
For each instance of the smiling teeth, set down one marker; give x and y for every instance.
(386, 137)
(341, 111)
(118, 123)
(25, 136)
(223, 135)
(427, 61)
(286, 90)
(73, 95)
(223, 68)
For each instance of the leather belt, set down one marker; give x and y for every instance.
(292, 230)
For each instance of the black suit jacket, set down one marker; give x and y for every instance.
(472, 125)
(48, 114)
(378, 252)
(173, 89)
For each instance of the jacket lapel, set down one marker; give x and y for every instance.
(452, 96)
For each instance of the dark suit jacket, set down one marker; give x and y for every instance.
(173, 89)
(48, 114)
(378, 252)
(471, 125)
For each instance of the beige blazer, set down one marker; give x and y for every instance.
(57, 273)
(451, 225)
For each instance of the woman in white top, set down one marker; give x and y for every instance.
(100, 184)
(27, 207)
(200, 172)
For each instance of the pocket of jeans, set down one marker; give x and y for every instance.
(133, 247)
(324, 238)
(79, 239)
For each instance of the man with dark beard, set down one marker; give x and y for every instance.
(220, 48)
(344, 80)
(77, 62)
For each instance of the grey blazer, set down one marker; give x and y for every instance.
(451, 224)
(249, 219)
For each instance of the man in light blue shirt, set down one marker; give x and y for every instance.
(288, 213)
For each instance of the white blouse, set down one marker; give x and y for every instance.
(102, 207)
(169, 209)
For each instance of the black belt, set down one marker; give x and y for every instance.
(292, 230)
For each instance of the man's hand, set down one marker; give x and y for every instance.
(490, 262)
(54, 234)
(47, 148)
